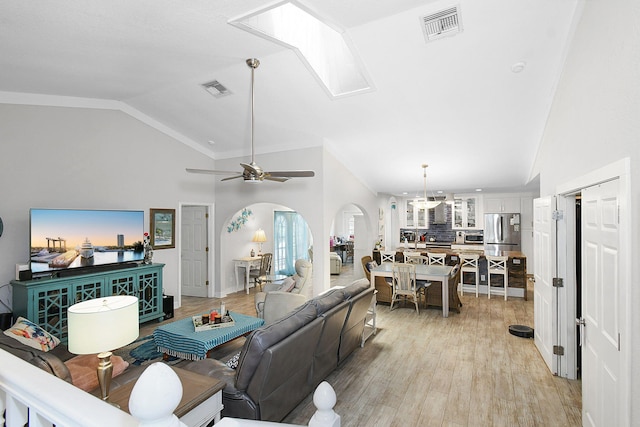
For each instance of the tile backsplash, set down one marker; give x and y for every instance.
(441, 232)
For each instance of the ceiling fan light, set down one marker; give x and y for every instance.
(429, 204)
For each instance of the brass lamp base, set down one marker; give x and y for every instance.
(105, 373)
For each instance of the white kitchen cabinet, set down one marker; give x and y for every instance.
(414, 216)
(502, 205)
(467, 212)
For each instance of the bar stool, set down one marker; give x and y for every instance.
(436, 258)
(469, 264)
(498, 265)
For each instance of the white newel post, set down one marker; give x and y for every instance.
(155, 396)
(325, 399)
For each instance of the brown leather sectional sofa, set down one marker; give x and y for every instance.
(281, 363)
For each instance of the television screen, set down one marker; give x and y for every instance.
(71, 238)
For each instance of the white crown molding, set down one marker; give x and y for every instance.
(20, 98)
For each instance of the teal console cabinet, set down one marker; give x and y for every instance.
(45, 301)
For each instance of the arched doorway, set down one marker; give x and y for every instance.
(283, 228)
(351, 224)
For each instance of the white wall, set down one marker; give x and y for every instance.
(595, 121)
(56, 157)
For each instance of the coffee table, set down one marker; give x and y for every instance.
(179, 339)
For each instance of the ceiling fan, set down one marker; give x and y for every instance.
(252, 172)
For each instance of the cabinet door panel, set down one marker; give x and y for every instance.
(51, 310)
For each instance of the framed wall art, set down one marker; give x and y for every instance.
(163, 228)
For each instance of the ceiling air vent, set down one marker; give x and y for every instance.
(216, 89)
(441, 24)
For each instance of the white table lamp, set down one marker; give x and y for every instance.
(260, 237)
(99, 326)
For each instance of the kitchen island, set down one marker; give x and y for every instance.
(517, 265)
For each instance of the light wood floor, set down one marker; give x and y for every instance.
(425, 370)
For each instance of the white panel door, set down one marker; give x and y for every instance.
(601, 356)
(194, 251)
(544, 295)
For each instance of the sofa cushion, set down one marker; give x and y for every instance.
(266, 336)
(371, 265)
(356, 287)
(287, 285)
(328, 300)
(233, 361)
(32, 335)
(83, 369)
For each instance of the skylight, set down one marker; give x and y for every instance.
(322, 48)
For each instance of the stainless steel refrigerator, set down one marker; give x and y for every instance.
(501, 233)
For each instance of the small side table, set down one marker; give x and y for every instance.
(247, 263)
(201, 398)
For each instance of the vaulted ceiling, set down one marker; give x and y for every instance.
(454, 103)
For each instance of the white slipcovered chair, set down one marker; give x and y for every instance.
(335, 263)
(280, 298)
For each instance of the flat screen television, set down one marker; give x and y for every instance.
(68, 239)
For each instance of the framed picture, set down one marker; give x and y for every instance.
(163, 228)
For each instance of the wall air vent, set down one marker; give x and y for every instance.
(216, 89)
(441, 24)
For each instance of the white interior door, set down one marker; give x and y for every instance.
(544, 295)
(602, 364)
(194, 251)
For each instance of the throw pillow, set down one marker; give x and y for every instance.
(371, 265)
(32, 335)
(83, 370)
(287, 285)
(233, 362)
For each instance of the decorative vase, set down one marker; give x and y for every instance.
(148, 250)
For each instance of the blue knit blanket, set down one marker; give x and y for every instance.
(179, 339)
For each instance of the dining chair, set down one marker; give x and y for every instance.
(421, 285)
(407, 254)
(349, 249)
(259, 275)
(404, 284)
(469, 264)
(497, 265)
(417, 259)
(437, 258)
(387, 256)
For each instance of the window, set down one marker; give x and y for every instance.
(291, 241)
(324, 49)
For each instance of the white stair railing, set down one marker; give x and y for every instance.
(29, 395)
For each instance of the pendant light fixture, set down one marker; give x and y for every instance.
(425, 203)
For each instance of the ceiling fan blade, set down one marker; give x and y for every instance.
(210, 171)
(293, 174)
(231, 177)
(252, 168)
(275, 178)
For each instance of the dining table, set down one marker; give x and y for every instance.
(432, 273)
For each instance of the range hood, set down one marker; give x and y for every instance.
(440, 214)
